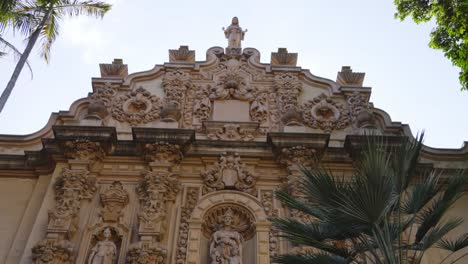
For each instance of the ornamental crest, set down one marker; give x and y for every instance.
(137, 107)
(229, 173)
(322, 113)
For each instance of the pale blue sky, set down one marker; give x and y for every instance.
(413, 83)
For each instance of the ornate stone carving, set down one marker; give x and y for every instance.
(346, 77)
(288, 88)
(259, 108)
(202, 104)
(103, 97)
(156, 189)
(146, 254)
(359, 110)
(136, 107)
(175, 84)
(105, 250)
(70, 188)
(297, 155)
(234, 34)
(190, 202)
(229, 173)
(163, 152)
(83, 149)
(266, 197)
(183, 54)
(283, 58)
(116, 69)
(49, 251)
(114, 199)
(231, 131)
(233, 85)
(226, 241)
(323, 113)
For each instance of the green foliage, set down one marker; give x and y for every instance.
(451, 33)
(387, 212)
(42, 16)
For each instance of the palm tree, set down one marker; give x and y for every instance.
(388, 212)
(40, 19)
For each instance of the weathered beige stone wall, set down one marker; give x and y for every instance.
(14, 197)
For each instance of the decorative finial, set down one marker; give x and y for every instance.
(234, 34)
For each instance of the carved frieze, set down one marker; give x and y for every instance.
(83, 149)
(154, 192)
(71, 188)
(50, 251)
(229, 173)
(325, 114)
(114, 199)
(163, 152)
(186, 211)
(136, 107)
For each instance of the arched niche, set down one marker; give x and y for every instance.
(260, 240)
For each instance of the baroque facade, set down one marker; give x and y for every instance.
(178, 164)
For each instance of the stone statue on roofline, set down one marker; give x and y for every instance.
(234, 34)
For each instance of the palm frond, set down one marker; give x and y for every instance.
(437, 233)
(309, 259)
(430, 216)
(421, 194)
(77, 7)
(49, 33)
(308, 234)
(455, 244)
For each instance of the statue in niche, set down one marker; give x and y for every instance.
(226, 243)
(105, 251)
(234, 34)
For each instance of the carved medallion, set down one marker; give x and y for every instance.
(136, 107)
(323, 113)
(229, 173)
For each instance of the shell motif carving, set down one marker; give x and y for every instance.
(323, 113)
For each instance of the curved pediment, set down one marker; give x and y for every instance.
(229, 96)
